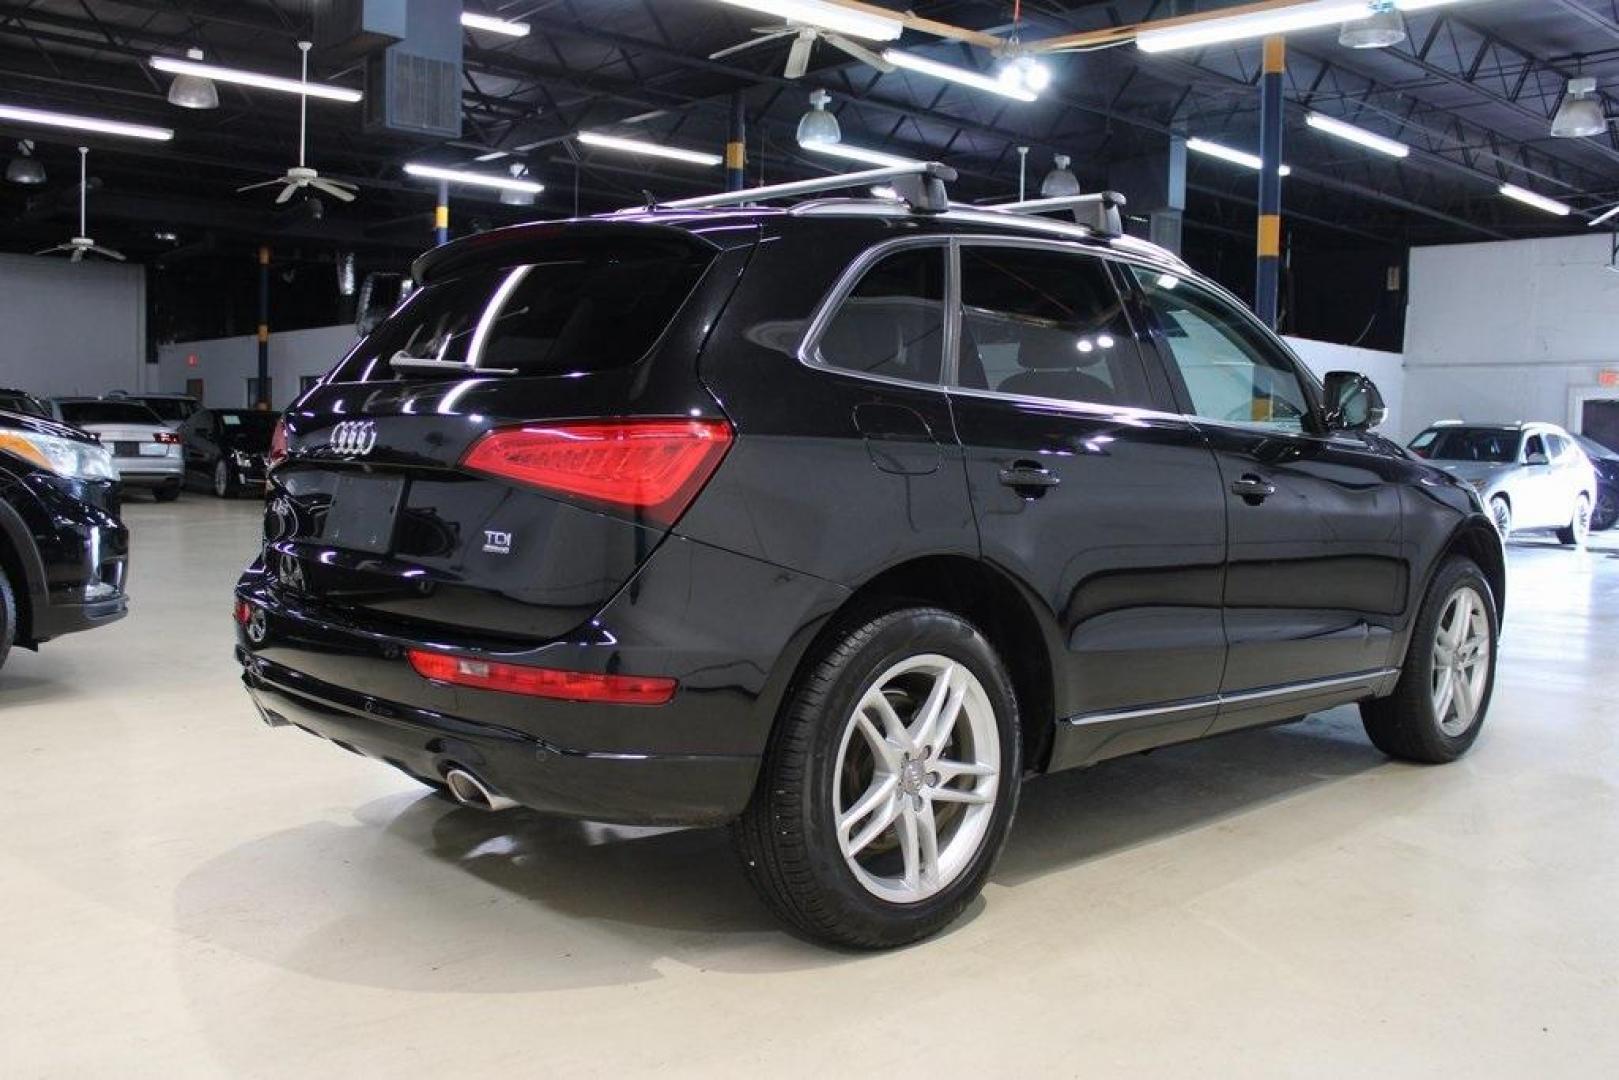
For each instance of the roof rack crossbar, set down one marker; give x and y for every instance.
(1100, 210)
(921, 185)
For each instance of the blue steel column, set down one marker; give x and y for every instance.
(1270, 180)
(441, 214)
(262, 400)
(736, 148)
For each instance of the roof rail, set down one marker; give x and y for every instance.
(1098, 210)
(921, 185)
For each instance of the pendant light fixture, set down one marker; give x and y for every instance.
(193, 91)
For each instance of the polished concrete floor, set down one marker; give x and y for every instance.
(184, 892)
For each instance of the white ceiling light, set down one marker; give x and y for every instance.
(856, 153)
(1226, 153)
(473, 21)
(254, 78)
(1027, 72)
(1604, 217)
(1378, 30)
(475, 179)
(1257, 24)
(1539, 202)
(25, 168)
(1060, 181)
(511, 196)
(1358, 135)
(636, 146)
(193, 91)
(819, 126)
(50, 118)
(1580, 115)
(965, 77)
(860, 24)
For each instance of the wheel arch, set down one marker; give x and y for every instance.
(20, 560)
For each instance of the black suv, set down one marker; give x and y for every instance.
(835, 521)
(63, 551)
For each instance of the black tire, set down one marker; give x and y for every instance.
(1501, 514)
(8, 617)
(1606, 511)
(787, 836)
(167, 493)
(1404, 724)
(1579, 527)
(224, 484)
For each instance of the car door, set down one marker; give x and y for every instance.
(1537, 502)
(1089, 490)
(1569, 478)
(1317, 580)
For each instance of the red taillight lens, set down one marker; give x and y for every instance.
(653, 466)
(278, 445)
(166, 437)
(244, 613)
(541, 682)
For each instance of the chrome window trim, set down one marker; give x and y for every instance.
(1241, 697)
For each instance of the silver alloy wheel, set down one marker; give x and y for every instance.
(221, 478)
(1461, 660)
(1581, 525)
(918, 772)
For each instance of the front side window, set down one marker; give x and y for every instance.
(892, 323)
(1230, 372)
(1046, 324)
(1534, 447)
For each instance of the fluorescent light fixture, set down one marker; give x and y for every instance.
(50, 118)
(1604, 217)
(475, 179)
(474, 21)
(1358, 135)
(855, 153)
(1257, 24)
(977, 81)
(636, 146)
(827, 16)
(1226, 153)
(1539, 202)
(176, 66)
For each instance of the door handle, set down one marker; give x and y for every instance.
(1029, 478)
(1252, 489)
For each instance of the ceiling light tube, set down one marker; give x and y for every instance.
(1358, 135)
(636, 146)
(856, 153)
(1539, 202)
(1254, 24)
(1604, 217)
(827, 16)
(475, 179)
(175, 66)
(50, 118)
(977, 81)
(1226, 153)
(474, 21)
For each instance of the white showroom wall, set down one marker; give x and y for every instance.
(226, 364)
(71, 328)
(1512, 330)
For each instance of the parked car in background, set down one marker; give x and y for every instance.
(172, 409)
(21, 401)
(1531, 476)
(63, 551)
(144, 449)
(1605, 460)
(225, 449)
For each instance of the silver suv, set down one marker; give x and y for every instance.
(1530, 475)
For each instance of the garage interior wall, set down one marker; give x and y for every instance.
(226, 364)
(1509, 330)
(71, 328)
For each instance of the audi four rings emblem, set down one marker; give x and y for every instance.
(353, 438)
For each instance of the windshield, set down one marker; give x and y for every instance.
(1493, 445)
(108, 412)
(248, 428)
(22, 403)
(169, 408)
(591, 307)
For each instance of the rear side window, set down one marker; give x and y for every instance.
(591, 307)
(1046, 324)
(892, 323)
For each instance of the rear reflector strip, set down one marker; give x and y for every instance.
(541, 682)
(654, 466)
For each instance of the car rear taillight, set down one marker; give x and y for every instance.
(278, 445)
(168, 438)
(653, 466)
(243, 613)
(541, 682)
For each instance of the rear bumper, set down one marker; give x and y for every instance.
(641, 789)
(149, 471)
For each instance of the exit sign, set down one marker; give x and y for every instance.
(1608, 377)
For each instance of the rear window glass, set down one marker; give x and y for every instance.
(248, 423)
(169, 408)
(590, 308)
(107, 412)
(1467, 444)
(21, 403)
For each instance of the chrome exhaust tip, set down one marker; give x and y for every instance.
(468, 790)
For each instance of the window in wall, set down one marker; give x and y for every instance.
(1046, 324)
(1230, 372)
(892, 324)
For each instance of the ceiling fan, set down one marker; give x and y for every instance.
(301, 176)
(81, 244)
(798, 57)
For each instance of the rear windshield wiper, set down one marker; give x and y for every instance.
(407, 364)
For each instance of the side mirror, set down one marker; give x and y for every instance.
(1353, 402)
(1537, 459)
(379, 295)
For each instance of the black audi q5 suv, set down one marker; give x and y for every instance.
(836, 522)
